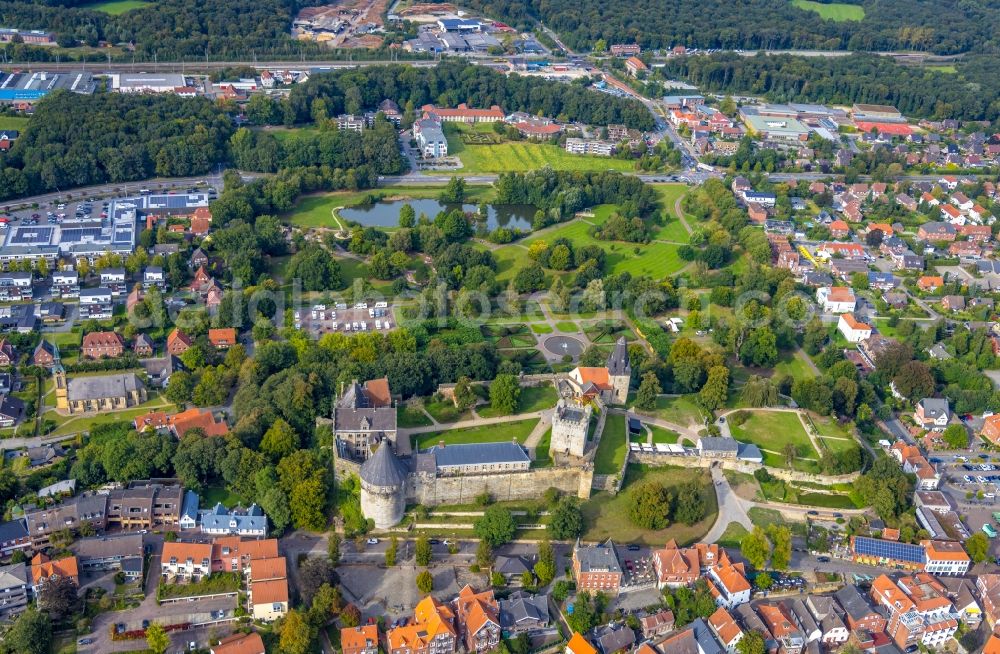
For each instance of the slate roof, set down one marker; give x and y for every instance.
(510, 565)
(618, 363)
(478, 454)
(219, 517)
(92, 388)
(13, 530)
(598, 558)
(523, 608)
(853, 602)
(718, 444)
(612, 639)
(383, 468)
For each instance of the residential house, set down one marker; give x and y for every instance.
(729, 584)
(977, 233)
(804, 620)
(596, 568)
(937, 231)
(222, 338)
(178, 342)
(43, 568)
(267, 587)
(185, 561)
(853, 329)
(432, 631)
(839, 229)
(478, 618)
(991, 429)
(782, 627)
(11, 411)
(100, 345)
(946, 557)
(524, 612)
(932, 413)
(577, 644)
(920, 612)
(113, 279)
(988, 589)
(96, 304)
(859, 614)
(240, 643)
(826, 611)
(44, 355)
(120, 552)
(953, 302)
(725, 629)
(675, 566)
(614, 638)
(913, 462)
(90, 509)
(238, 521)
(143, 346)
(837, 299)
(14, 587)
(359, 640)
(657, 624)
(8, 355)
(145, 504)
(930, 283)
(13, 537)
(511, 568)
(696, 638)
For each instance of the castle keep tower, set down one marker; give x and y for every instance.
(383, 492)
(569, 428)
(619, 372)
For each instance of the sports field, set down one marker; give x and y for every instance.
(116, 7)
(835, 11)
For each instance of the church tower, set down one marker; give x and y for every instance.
(619, 372)
(59, 376)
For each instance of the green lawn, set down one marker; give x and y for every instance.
(771, 431)
(533, 398)
(445, 411)
(485, 434)
(411, 416)
(541, 328)
(567, 326)
(733, 535)
(835, 11)
(613, 446)
(679, 409)
(214, 494)
(664, 436)
(13, 122)
(794, 365)
(606, 516)
(542, 457)
(116, 7)
(523, 156)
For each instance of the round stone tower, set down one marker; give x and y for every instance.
(383, 487)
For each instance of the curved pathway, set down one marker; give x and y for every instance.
(732, 507)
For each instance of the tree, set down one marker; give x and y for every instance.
(649, 506)
(484, 554)
(57, 596)
(425, 581)
(351, 616)
(31, 633)
(756, 548)
(791, 453)
(454, 192)
(407, 216)
(781, 555)
(713, 394)
(333, 549)
(157, 639)
(751, 643)
(464, 395)
(296, 633)
(649, 388)
(279, 441)
(529, 279)
(763, 581)
(390, 552)
(956, 436)
(978, 546)
(326, 602)
(423, 552)
(689, 507)
(505, 391)
(759, 391)
(313, 573)
(566, 521)
(545, 568)
(496, 526)
(914, 381)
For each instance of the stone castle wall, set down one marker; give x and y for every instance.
(531, 484)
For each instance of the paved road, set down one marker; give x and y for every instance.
(732, 507)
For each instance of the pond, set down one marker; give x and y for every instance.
(386, 214)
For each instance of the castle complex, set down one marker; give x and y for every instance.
(364, 428)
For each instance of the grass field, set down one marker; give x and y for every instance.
(835, 11)
(606, 516)
(215, 494)
(445, 411)
(664, 436)
(771, 431)
(116, 7)
(485, 434)
(533, 398)
(411, 416)
(13, 122)
(522, 156)
(680, 409)
(943, 68)
(542, 457)
(613, 446)
(794, 365)
(733, 535)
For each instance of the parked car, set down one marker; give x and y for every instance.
(372, 541)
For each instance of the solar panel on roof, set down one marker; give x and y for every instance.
(887, 549)
(32, 236)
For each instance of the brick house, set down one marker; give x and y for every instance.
(102, 345)
(178, 342)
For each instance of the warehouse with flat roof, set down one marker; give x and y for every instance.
(147, 82)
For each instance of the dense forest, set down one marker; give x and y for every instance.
(970, 93)
(169, 28)
(945, 26)
(75, 140)
(454, 82)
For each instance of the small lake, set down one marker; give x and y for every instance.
(386, 214)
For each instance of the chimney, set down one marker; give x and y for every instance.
(441, 444)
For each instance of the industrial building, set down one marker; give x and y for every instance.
(27, 88)
(147, 83)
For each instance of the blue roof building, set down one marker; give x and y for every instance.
(239, 522)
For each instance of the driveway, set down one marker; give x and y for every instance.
(732, 508)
